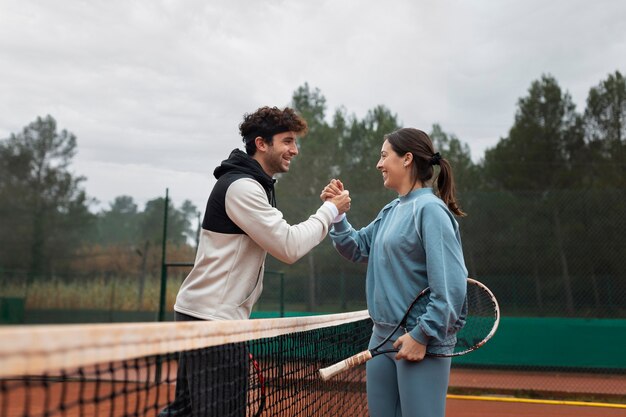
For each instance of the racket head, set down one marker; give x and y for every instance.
(478, 322)
(481, 320)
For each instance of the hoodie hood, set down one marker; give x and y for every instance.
(241, 163)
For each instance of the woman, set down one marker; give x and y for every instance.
(413, 243)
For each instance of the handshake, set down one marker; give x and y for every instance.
(335, 193)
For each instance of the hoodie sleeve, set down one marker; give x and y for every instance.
(447, 275)
(354, 245)
(247, 206)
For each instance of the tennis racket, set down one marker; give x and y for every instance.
(256, 388)
(481, 322)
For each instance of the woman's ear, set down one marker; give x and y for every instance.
(408, 159)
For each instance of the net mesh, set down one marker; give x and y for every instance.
(263, 367)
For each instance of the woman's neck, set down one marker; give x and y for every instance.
(408, 188)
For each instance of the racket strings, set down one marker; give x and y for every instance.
(480, 321)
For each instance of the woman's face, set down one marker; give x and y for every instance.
(395, 173)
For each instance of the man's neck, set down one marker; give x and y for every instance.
(263, 165)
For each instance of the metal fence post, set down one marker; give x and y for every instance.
(163, 264)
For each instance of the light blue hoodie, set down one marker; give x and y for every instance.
(413, 243)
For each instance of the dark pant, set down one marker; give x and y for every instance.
(211, 381)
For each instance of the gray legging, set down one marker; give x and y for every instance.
(400, 388)
(210, 381)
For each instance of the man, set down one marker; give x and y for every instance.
(241, 225)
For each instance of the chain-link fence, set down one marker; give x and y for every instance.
(557, 254)
(555, 261)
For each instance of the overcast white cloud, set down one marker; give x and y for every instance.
(155, 90)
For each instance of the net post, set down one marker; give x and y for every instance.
(159, 362)
(163, 264)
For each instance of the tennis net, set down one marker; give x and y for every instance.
(265, 367)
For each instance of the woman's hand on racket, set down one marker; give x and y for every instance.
(409, 348)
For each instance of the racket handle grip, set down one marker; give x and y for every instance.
(345, 364)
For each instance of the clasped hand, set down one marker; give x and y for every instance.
(335, 193)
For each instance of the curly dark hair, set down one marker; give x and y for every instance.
(268, 121)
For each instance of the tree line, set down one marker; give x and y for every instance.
(544, 203)
(47, 227)
(545, 224)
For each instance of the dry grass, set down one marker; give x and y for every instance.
(119, 294)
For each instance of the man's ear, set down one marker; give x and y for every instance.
(260, 143)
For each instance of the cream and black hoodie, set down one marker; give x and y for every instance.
(241, 225)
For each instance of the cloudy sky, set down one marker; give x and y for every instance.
(154, 90)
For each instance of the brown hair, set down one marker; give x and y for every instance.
(268, 121)
(420, 145)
